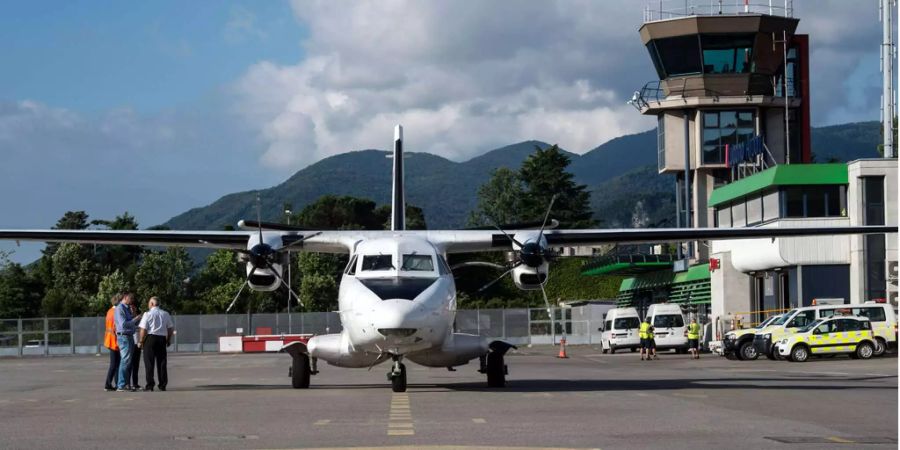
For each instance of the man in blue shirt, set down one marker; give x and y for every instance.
(125, 325)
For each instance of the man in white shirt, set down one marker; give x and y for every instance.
(157, 329)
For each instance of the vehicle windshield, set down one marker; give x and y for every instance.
(626, 323)
(417, 263)
(810, 326)
(767, 322)
(668, 321)
(378, 262)
(784, 317)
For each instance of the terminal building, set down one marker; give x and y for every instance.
(733, 113)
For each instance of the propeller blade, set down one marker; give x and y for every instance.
(238, 294)
(483, 288)
(546, 301)
(284, 283)
(259, 217)
(547, 216)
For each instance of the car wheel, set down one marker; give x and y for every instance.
(865, 350)
(799, 353)
(612, 350)
(880, 347)
(633, 349)
(748, 352)
(731, 356)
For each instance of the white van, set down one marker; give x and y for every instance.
(620, 330)
(669, 327)
(881, 316)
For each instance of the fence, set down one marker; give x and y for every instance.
(200, 333)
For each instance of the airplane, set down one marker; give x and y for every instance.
(397, 297)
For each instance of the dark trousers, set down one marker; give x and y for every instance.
(112, 374)
(155, 356)
(135, 366)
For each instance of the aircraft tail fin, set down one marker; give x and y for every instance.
(398, 196)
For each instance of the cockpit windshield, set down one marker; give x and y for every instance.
(378, 262)
(417, 263)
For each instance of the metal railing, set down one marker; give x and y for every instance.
(200, 333)
(673, 9)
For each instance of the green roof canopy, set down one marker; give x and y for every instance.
(784, 175)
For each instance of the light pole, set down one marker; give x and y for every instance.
(287, 214)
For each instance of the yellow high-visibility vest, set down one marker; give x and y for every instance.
(694, 331)
(644, 332)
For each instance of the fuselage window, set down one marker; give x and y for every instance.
(378, 262)
(417, 263)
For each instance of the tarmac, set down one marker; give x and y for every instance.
(590, 400)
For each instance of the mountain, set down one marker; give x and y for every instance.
(620, 173)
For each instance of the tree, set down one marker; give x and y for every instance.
(499, 200)
(20, 293)
(110, 285)
(544, 175)
(164, 274)
(218, 282)
(117, 257)
(74, 284)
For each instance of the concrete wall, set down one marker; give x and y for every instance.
(730, 289)
(862, 168)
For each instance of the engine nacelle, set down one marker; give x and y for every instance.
(264, 279)
(530, 278)
(335, 350)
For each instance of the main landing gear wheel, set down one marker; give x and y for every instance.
(300, 372)
(496, 370)
(398, 377)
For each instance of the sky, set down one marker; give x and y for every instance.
(157, 107)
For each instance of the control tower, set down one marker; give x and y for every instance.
(731, 98)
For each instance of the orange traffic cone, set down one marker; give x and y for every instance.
(562, 349)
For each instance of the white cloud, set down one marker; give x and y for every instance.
(461, 76)
(464, 76)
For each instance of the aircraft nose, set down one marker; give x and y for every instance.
(397, 319)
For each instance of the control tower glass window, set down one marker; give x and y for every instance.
(721, 128)
(727, 54)
(677, 55)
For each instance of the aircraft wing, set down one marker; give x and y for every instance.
(203, 239)
(465, 241)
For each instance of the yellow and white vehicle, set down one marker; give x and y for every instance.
(837, 335)
(881, 316)
(738, 344)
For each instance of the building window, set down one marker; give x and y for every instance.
(678, 55)
(873, 200)
(727, 53)
(793, 62)
(813, 201)
(754, 210)
(723, 217)
(873, 214)
(722, 128)
(661, 141)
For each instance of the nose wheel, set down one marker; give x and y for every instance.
(397, 376)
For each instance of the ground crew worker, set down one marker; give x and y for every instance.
(693, 335)
(648, 344)
(156, 330)
(109, 341)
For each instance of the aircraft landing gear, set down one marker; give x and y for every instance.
(300, 371)
(493, 365)
(397, 375)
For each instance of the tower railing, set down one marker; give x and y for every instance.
(674, 9)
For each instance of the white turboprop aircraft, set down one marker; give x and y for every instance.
(397, 296)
